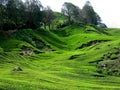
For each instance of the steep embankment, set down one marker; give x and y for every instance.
(59, 63)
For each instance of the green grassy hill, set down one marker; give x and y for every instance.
(71, 58)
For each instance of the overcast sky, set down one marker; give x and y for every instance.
(108, 10)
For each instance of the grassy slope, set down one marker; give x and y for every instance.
(54, 70)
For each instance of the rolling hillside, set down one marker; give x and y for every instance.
(71, 58)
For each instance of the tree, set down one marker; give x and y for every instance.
(90, 16)
(72, 12)
(1, 16)
(33, 9)
(77, 14)
(2, 13)
(15, 13)
(48, 17)
(20, 15)
(67, 10)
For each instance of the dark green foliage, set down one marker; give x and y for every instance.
(72, 12)
(67, 10)
(15, 14)
(24, 34)
(2, 14)
(33, 13)
(9, 25)
(48, 17)
(86, 14)
(90, 16)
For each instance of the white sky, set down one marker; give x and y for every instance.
(108, 10)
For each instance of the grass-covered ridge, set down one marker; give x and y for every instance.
(60, 64)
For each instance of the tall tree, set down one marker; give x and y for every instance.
(2, 13)
(14, 10)
(48, 17)
(90, 16)
(67, 10)
(72, 12)
(20, 14)
(33, 8)
(1, 16)
(77, 14)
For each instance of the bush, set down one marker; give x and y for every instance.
(9, 25)
(24, 34)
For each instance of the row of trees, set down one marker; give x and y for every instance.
(16, 14)
(85, 15)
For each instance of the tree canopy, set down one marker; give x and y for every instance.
(16, 14)
(89, 14)
(86, 14)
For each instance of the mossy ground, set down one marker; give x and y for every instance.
(54, 70)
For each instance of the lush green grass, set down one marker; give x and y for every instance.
(54, 70)
(114, 31)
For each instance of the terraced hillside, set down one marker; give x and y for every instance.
(72, 58)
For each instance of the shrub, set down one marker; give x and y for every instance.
(9, 25)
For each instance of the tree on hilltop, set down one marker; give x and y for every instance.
(90, 16)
